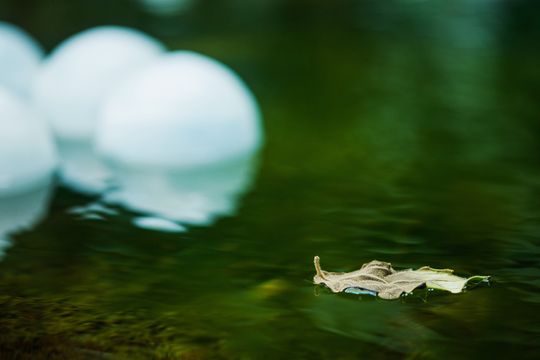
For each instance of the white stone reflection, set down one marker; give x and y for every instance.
(166, 7)
(158, 224)
(81, 168)
(27, 164)
(196, 196)
(21, 211)
(71, 86)
(20, 57)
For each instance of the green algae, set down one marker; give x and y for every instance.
(35, 328)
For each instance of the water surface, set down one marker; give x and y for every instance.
(406, 133)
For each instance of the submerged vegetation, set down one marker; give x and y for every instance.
(54, 328)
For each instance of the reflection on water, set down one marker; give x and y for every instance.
(81, 168)
(158, 224)
(379, 146)
(21, 211)
(166, 7)
(195, 196)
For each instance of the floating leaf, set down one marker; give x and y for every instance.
(378, 277)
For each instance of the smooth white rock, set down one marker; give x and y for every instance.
(81, 71)
(27, 151)
(20, 56)
(184, 110)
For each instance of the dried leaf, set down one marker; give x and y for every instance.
(378, 277)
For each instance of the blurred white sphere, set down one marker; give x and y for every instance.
(20, 57)
(80, 73)
(183, 110)
(27, 153)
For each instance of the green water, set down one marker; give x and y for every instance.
(405, 132)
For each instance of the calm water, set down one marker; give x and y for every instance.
(404, 132)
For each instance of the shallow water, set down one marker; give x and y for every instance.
(406, 133)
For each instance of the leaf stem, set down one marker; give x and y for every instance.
(316, 262)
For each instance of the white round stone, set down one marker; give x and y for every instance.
(27, 152)
(20, 57)
(183, 110)
(81, 71)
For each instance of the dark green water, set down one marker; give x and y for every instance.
(406, 132)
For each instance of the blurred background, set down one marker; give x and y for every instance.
(405, 131)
